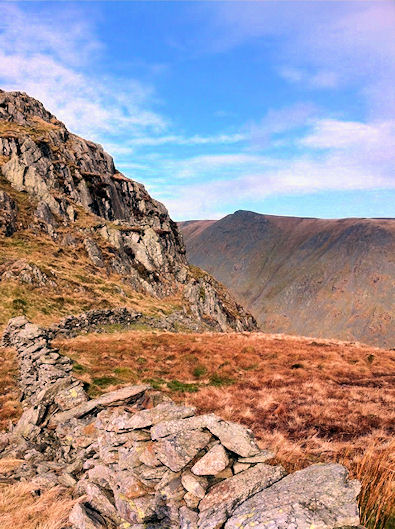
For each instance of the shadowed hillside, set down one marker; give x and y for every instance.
(317, 277)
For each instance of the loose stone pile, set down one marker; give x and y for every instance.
(137, 460)
(92, 320)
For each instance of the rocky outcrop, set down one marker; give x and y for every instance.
(81, 200)
(135, 459)
(26, 273)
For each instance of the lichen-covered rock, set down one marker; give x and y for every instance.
(176, 451)
(319, 496)
(213, 462)
(196, 485)
(220, 502)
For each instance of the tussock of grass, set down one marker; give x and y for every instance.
(376, 471)
(21, 508)
(10, 407)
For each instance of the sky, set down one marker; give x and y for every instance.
(283, 108)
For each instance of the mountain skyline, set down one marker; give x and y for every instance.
(282, 108)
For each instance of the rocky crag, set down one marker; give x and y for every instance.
(65, 193)
(137, 460)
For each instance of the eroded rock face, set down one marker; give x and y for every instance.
(132, 455)
(66, 176)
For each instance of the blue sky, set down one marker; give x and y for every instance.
(279, 107)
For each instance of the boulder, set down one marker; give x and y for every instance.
(176, 451)
(214, 461)
(221, 501)
(319, 496)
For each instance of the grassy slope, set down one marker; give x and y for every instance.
(80, 285)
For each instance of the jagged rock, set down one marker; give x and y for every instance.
(124, 395)
(46, 218)
(214, 461)
(196, 485)
(166, 428)
(233, 436)
(148, 456)
(26, 273)
(223, 498)
(261, 457)
(98, 498)
(8, 214)
(94, 252)
(318, 496)
(84, 517)
(143, 419)
(178, 450)
(240, 467)
(191, 500)
(188, 518)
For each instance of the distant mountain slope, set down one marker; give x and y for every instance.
(316, 277)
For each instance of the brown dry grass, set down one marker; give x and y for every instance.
(21, 508)
(309, 400)
(10, 407)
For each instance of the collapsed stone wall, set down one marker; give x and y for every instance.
(137, 460)
(93, 320)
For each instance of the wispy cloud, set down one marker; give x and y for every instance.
(51, 56)
(340, 155)
(300, 147)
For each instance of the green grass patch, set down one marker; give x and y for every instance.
(124, 372)
(104, 382)
(156, 383)
(78, 368)
(220, 380)
(199, 371)
(176, 385)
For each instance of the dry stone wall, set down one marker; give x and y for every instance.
(137, 460)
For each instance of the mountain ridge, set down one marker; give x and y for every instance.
(299, 275)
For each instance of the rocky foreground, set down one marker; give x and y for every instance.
(137, 460)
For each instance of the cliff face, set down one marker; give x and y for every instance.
(78, 198)
(312, 277)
